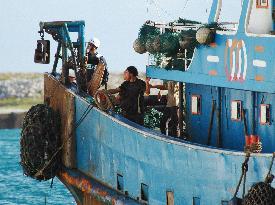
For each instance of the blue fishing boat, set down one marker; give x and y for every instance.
(224, 155)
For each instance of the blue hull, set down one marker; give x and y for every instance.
(115, 151)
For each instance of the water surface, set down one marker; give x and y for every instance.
(18, 189)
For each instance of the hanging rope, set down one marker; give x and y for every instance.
(269, 177)
(262, 193)
(185, 5)
(84, 115)
(243, 176)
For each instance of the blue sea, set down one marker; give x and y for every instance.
(15, 188)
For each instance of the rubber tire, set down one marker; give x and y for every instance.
(40, 140)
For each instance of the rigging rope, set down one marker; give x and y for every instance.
(185, 5)
(269, 177)
(243, 176)
(84, 115)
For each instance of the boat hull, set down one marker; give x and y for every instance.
(133, 165)
(110, 146)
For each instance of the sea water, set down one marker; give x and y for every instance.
(15, 188)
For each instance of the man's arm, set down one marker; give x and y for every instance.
(114, 91)
(160, 87)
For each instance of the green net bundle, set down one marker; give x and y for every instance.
(186, 21)
(166, 46)
(187, 39)
(152, 118)
(146, 33)
(169, 43)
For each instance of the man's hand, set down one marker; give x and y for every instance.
(114, 91)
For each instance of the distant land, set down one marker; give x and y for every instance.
(19, 91)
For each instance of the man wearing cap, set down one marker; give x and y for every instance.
(93, 58)
(131, 96)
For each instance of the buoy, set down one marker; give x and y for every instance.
(139, 46)
(205, 36)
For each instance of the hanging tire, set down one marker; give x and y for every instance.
(40, 143)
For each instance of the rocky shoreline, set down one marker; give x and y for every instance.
(21, 88)
(29, 85)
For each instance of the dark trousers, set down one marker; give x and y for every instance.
(170, 113)
(137, 118)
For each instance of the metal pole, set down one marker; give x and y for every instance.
(181, 134)
(56, 58)
(65, 71)
(219, 137)
(253, 113)
(211, 122)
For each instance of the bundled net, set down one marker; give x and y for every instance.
(152, 118)
(146, 33)
(169, 42)
(40, 141)
(260, 194)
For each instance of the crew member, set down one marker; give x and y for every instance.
(170, 114)
(131, 96)
(72, 80)
(93, 58)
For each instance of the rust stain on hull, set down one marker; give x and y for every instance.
(63, 102)
(87, 188)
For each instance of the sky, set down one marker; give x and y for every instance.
(115, 22)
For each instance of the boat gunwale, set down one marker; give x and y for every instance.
(146, 132)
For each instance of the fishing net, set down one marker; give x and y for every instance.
(146, 33)
(152, 118)
(187, 39)
(139, 46)
(260, 194)
(150, 45)
(40, 140)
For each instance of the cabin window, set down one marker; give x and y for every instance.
(228, 19)
(236, 110)
(120, 184)
(265, 114)
(196, 201)
(144, 192)
(170, 198)
(196, 104)
(262, 4)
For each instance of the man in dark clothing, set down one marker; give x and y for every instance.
(131, 96)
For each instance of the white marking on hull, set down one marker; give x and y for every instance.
(259, 63)
(213, 59)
